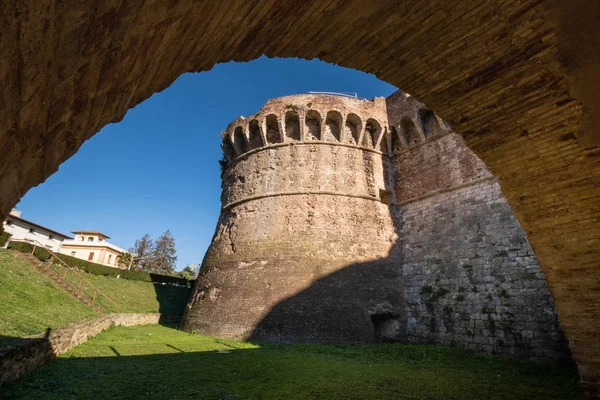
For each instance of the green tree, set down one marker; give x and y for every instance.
(163, 255)
(143, 251)
(125, 258)
(189, 272)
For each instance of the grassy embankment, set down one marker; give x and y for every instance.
(30, 302)
(155, 362)
(137, 296)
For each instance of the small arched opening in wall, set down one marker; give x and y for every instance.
(372, 133)
(333, 125)
(312, 123)
(410, 131)
(352, 129)
(376, 133)
(239, 140)
(256, 140)
(273, 133)
(228, 149)
(397, 140)
(430, 123)
(292, 126)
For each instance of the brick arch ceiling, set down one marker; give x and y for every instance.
(513, 77)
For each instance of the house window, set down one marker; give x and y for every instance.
(73, 253)
(50, 237)
(109, 258)
(8, 222)
(80, 238)
(91, 256)
(31, 230)
(90, 239)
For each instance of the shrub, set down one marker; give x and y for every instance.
(4, 237)
(40, 253)
(97, 269)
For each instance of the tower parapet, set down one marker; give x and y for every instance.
(310, 118)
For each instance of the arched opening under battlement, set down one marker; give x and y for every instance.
(374, 134)
(256, 139)
(292, 126)
(273, 133)
(228, 148)
(430, 124)
(398, 142)
(411, 132)
(240, 143)
(352, 129)
(333, 126)
(312, 122)
(371, 133)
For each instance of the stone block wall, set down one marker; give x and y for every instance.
(403, 237)
(472, 280)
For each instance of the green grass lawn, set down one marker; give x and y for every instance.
(30, 303)
(136, 296)
(156, 362)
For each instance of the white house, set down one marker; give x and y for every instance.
(92, 246)
(22, 229)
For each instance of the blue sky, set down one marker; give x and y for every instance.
(158, 168)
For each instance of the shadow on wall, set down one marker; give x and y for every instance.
(172, 297)
(356, 304)
(488, 299)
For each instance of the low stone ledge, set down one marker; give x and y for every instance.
(27, 358)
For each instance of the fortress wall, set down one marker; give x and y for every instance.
(471, 278)
(405, 236)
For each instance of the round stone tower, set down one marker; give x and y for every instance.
(299, 249)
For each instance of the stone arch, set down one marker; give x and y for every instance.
(228, 149)
(86, 85)
(312, 122)
(240, 142)
(333, 126)
(352, 129)
(411, 132)
(430, 123)
(273, 131)
(292, 126)
(256, 139)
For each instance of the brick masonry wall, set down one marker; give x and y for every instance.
(471, 278)
(20, 361)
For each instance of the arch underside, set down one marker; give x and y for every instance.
(502, 75)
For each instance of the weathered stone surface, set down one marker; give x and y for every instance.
(406, 237)
(514, 78)
(296, 211)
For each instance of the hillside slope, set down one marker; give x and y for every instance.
(30, 302)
